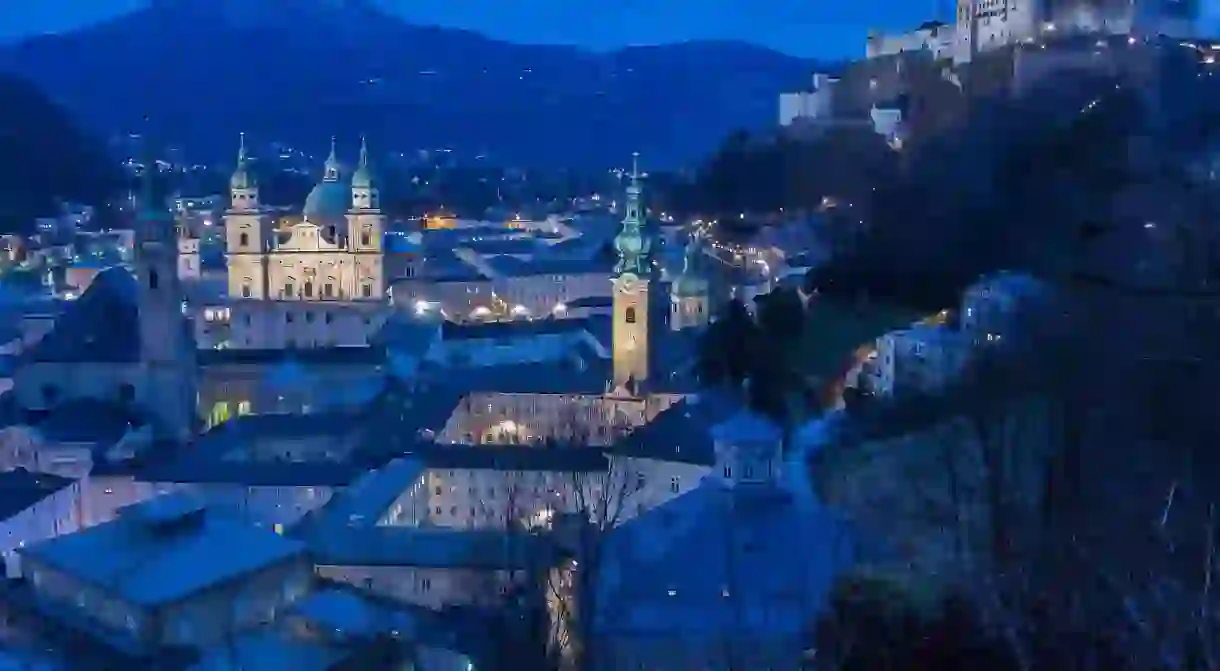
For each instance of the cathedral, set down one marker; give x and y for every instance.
(316, 282)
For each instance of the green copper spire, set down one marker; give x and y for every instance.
(631, 244)
(241, 176)
(363, 177)
(691, 281)
(154, 221)
(331, 169)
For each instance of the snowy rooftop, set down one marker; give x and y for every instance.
(163, 550)
(344, 614)
(747, 427)
(715, 562)
(271, 649)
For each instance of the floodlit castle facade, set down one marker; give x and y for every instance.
(316, 282)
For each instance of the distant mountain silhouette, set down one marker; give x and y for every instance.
(44, 158)
(203, 70)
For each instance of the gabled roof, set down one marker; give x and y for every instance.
(101, 326)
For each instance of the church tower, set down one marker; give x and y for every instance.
(247, 233)
(690, 295)
(167, 348)
(366, 230)
(630, 291)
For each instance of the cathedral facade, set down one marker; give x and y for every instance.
(316, 282)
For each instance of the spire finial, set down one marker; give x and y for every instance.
(241, 147)
(635, 166)
(364, 152)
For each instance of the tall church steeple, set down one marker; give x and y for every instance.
(630, 294)
(630, 243)
(166, 347)
(330, 171)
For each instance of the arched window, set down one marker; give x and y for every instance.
(153, 279)
(308, 289)
(631, 315)
(244, 239)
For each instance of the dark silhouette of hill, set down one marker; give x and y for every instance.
(300, 72)
(44, 158)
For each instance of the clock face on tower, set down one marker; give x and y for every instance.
(626, 282)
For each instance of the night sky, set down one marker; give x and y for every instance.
(813, 28)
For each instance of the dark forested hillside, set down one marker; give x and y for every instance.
(299, 72)
(44, 157)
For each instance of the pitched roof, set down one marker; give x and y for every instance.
(163, 550)
(101, 326)
(681, 433)
(20, 489)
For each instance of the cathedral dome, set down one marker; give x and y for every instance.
(327, 200)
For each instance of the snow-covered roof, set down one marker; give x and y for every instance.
(747, 427)
(713, 564)
(163, 550)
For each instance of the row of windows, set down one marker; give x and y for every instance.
(366, 238)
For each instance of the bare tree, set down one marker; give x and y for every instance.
(594, 503)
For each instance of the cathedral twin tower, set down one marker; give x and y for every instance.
(335, 252)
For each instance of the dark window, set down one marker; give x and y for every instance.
(631, 315)
(365, 239)
(50, 393)
(288, 317)
(309, 289)
(243, 240)
(153, 280)
(247, 319)
(328, 318)
(289, 289)
(309, 317)
(245, 291)
(328, 290)
(367, 291)
(330, 231)
(127, 392)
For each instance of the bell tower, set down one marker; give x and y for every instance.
(167, 348)
(689, 295)
(630, 291)
(247, 233)
(366, 230)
